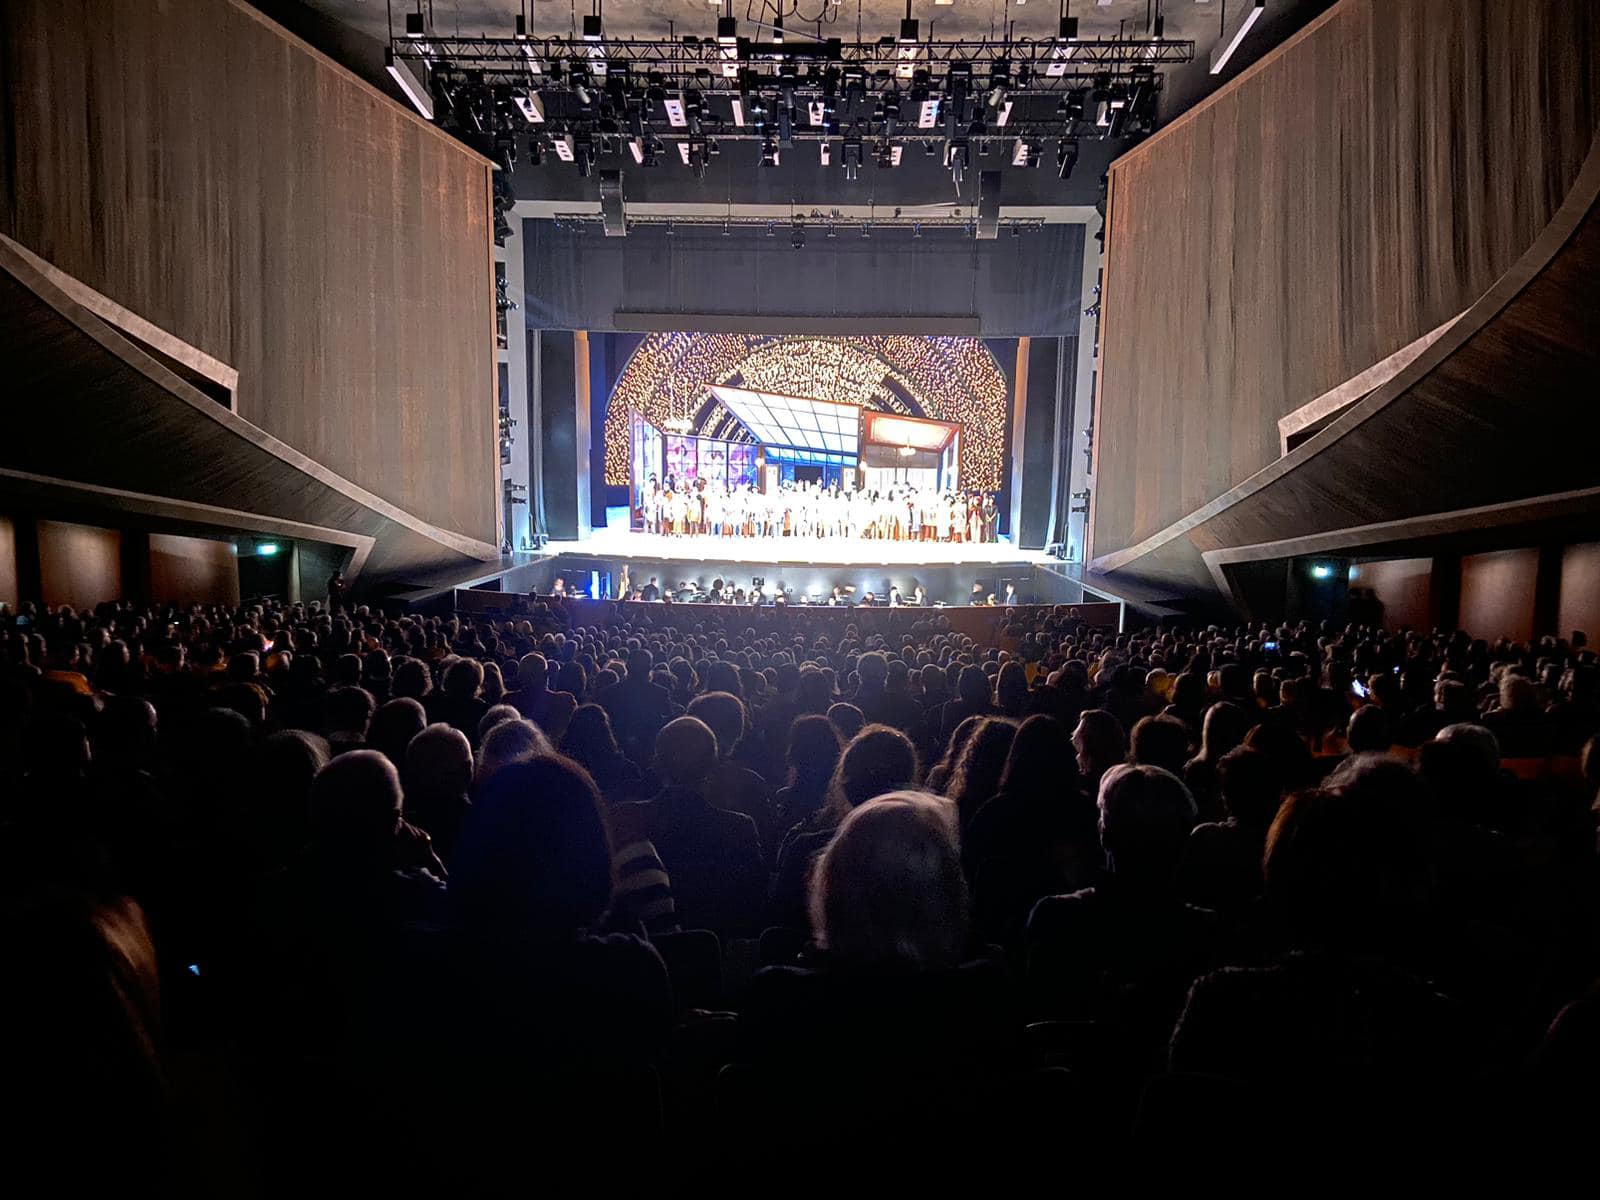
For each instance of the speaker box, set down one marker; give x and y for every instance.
(612, 211)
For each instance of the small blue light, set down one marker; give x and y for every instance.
(267, 549)
(194, 968)
(1321, 571)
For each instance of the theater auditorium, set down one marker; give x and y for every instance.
(754, 596)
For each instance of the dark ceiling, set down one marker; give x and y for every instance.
(356, 32)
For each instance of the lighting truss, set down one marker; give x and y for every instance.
(703, 62)
(577, 221)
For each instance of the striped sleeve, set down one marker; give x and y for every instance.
(644, 890)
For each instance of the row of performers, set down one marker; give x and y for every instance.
(842, 596)
(808, 510)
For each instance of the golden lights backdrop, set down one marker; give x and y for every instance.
(668, 382)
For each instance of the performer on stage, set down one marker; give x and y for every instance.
(810, 510)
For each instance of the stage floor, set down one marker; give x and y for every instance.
(623, 543)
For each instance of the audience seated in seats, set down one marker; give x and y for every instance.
(1101, 743)
(1519, 724)
(590, 743)
(1036, 837)
(508, 742)
(877, 760)
(393, 726)
(882, 696)
(437, 781)
(498, 714)
(972, 700)
(891, 1008)
(533, 698)
(976, 775)
(1224, 728)
(1161, 741)
(939, 774)
(458, 702)
(535, 1019)
(638, 708)
(815, 745)
(729, 785)
(1340, 1027)
(240, 809)
(1124, 950)
(712, 856)
(1221, 865)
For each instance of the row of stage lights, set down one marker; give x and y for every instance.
(868, 102)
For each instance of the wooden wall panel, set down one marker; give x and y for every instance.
(80, 565)
(1497, 593)
(1405, 585)
(1580, 590)
(1363, 184)
(221, 179)
(8, 563)
(191, 569)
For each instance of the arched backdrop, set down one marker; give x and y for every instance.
(668, 381)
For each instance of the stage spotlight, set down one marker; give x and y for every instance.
(535, 152)
(958, 160)
(852, 156)
(505, 153)
(999, 82)
(696, 154)
(797, 236)
(769, 151)
(1066, 157)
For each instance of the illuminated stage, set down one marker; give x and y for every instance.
(805, 567)
(625, 544)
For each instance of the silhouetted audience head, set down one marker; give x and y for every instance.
(497, 714)
(533, 858)
(724, 713)
(1100, 741)
(1225, 727)
(1345, 863)
(508, 742)
(1160, 741)
(814, 750)
(1368, 732)
(1480, 742)
(847, 719)
(686, 750)
(1251, 787)
(879, 759)
(888, 892)
(393, 726)
(356, 805)
(589, 737)
(975, 777)
(1040, 765)
(1145, 817)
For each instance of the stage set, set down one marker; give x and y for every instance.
(880, 466)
